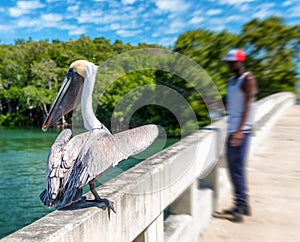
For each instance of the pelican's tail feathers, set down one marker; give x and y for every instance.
(69, 197)
(45, 198)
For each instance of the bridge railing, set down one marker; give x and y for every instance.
(160, 199)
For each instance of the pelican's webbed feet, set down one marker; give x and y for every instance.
(104, 203)
(108, 204)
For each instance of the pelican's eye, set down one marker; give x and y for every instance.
(70, 73)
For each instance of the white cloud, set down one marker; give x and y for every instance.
(128, 1)
(175, 27)
(212, 12)
(6, 28)
(73, 29)
(172, 6)
(216, 24)
(233, 18)
(74, 1)
(51, 17)
(196, 20)
(263, 13)
(73, 8)
(114, 26)
(27, 22)
(219, 28)
(197, 12)
(45, 21)
(167, 41)
(216, 21)
(121, 26)
(264, 10)
(77, 31)
(244, 7)
(241, 5)
(99, 17)
(235, 2)
(127, 33)
(24, 7)
(50, 20)
(294, 12)
(90, 17)
(290, 2)
(266, 6)
(287, 3)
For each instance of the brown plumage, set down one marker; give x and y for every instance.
(75, 162)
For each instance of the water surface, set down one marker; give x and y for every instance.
(23, 155)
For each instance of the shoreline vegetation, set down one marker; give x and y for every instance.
(31, 72)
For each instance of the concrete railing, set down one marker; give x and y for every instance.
(160, 199)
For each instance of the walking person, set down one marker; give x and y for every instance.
(241, 91)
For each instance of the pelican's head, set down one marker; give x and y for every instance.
(69, 95)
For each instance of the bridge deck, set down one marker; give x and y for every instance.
(274, 180)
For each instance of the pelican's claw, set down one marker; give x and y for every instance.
(101, 205)
(109, 205)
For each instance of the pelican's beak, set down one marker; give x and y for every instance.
(67, 99)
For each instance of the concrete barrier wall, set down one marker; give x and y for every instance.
(160, 199)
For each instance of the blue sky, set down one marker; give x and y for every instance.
(133, 21)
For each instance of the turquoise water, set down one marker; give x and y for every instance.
(23, 155)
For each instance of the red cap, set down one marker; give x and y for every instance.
(235, 55)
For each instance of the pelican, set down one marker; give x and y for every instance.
(75, 162)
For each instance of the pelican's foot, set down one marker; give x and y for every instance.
(103, 203)
(108, 204)
(97, 203)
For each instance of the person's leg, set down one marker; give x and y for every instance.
(240, 172)
(232, 156)
(237, 157)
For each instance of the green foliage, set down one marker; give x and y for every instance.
(207, 49)
(31, 74)
(271, 46)
(274, 53)
(15, 120)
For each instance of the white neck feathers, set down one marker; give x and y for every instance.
(89, 119)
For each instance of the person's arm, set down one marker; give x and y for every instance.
(249, 88)
(224, 100)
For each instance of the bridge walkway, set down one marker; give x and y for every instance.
(274, 189)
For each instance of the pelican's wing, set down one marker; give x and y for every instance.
(101, 152)
(109, 151)
(134, 141)
(61, 159)
(53, 171)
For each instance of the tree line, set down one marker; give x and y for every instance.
(31, 72)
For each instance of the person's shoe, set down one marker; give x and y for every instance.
(237, 215)
(229, 211)
(244, 210)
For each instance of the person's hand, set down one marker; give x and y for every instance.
(237, 138)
